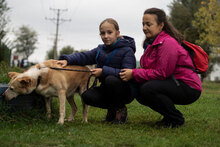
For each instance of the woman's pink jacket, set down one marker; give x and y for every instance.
(164, 58)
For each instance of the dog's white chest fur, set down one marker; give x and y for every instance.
(47, 91)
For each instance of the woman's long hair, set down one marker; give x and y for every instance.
(168, 27)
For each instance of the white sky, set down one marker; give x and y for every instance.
(82, 31)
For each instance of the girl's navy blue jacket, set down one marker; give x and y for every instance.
(111, 58)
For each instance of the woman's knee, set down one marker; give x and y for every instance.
(147, 89)
(146, 93)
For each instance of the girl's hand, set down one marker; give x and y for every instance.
(97, 72)
(63, 63)
(126, 74)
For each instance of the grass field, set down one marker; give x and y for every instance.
(202, 127)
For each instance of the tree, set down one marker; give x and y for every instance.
(3, 18)
(25, 41)
(4, 49)
(67, 50)
(4, 53)
(49, 54)
(181, 15)
(207, 22)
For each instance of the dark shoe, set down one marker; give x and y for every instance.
(121, 116)
(162, 122)
(177, 124)
(110, 116)
(166, 123)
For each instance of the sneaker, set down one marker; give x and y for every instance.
(110, 116)
(121, 116)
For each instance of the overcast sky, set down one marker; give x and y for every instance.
(82, 32)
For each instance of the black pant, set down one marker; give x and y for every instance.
(112, 93)
(161, 95)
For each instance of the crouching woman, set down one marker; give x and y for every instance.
(164, 79)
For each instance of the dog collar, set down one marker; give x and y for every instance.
(38, 81)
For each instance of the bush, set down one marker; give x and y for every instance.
(4, 72)
(5, 53)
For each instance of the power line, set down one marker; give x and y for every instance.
(57, 21)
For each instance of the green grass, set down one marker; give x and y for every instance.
(202, 127)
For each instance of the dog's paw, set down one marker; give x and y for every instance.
(60, 122)
(70, 119)
(49, 116)
(84, 121)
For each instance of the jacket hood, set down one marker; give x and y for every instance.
(124, 41)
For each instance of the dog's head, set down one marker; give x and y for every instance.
(20, 83)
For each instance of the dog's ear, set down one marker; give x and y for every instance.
(13, 74)
(38, 66)
(25, 81)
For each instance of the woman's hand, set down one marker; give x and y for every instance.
(63, 63)
(97, 72)
(126, 74)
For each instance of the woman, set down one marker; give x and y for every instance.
(164, 79)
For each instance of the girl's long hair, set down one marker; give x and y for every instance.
(111, 21)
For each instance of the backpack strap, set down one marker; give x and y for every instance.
(109, 57)
(189, 68)
(96, 58)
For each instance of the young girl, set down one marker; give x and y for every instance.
(116, 53)
(164, 79)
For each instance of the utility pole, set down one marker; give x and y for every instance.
(57, 21)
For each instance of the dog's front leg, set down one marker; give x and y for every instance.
(48, 106)
(85, 111)
(85, 106)
(73, 106)
(62, 100)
